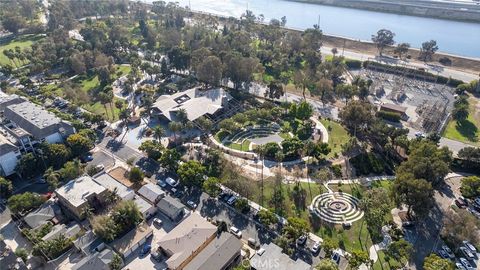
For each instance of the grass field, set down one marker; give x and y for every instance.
(337, 135)
(244, 146)
(467, 131)
(92, 82)
(22, 42)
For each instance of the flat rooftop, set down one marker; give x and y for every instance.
(132, 238)
(78, 190)
(111, 184)
(34, 114)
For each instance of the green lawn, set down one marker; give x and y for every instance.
(337, 135)
(383, 264)
(468, 130)
(23, 42)
(98, 108)
(91, 82)
(244, 146)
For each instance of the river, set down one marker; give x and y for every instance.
(453, 37)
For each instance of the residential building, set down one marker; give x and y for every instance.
(151, 192)
(108, 182)
(186, 241)
(9, 156)
(195, 102)
(96, 261)
(8, 259)
(69, 231)
(222, 253)
(271, 257)
(171, 207)
(128, 243)
(78, 194)
(49, 212)
(147, 209)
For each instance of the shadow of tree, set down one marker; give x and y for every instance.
(467, 129)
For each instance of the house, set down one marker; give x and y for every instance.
(88, 243)
(8, 259)
(186, 241)
(9, 156)
(393, 108)
(78, 194)
(222, 253)
(37, 122)
(171, 207)
(47, 212)
(272, 257)
(62, 229)
(195, 102)
(97, 261)
(128, 243)
(147, 209)
(108, 182)
(151, 193)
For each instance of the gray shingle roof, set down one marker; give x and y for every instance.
(273, 256)
(170, 206)
(96, 261)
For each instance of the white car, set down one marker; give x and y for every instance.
(466, 264)
(470, 247)
(235, 231)
(448, 251)
(171, 182)
(467, 253)
(315, 248)
(158, 222)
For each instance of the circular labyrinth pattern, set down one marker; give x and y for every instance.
(336, 208)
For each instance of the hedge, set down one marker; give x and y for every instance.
(389, 116)
(353, 64)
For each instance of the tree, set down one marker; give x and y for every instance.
(205, 124)
(326, 264)
(24, 202)
(382, 39)
(52, 177)
(375, 204)
(71, 170)
(274, 90)
(357, 258)
(174, 128)
(401, 250)
(345, 91)
(158, 132)
(210, 71)
(460, 108)
(427, 161)
(242, 205)
(417, 194)
(304, 110)
(116, 263)
(105, 227)
(459, 226)
(29, 165)
(401, 49)
(357, 115)
(267, 217)
(470, 187)
(295, 228)
(434, 262)
(13, 23)
(470, 153)
(428, 50)
(152, 148)
(6, 188)
(191, 173)
(328, 247)
(210, 186)
(56, 154)
(170, 159)
(135, 175)
(79, 144)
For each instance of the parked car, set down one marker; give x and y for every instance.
(477, 201)
(253, 243)
(161, 183)
(235, 231)
(460, 266)
(408, 224)
(192, 204)
(466, 264)
(157, 256)
(443, 254)
(171, 182)
(469, 246)
(448, 251)
(232, 200)
(467, 253)
(86, 158)
(146, 249)
(100, 167)
(302, 240)
(460, 202)
(335, 257)
(158, 222)
(315, 248)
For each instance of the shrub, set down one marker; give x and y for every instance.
(389, 116)
(445, 61)
(353, 64)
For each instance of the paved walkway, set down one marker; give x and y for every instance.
(321, 127)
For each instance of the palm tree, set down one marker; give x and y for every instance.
(52, 177)
(104, 99)
(261, 153)
(182, 116)
(174, 127)
(124, 115)
(158, 132)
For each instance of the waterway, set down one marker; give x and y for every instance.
(453, 37)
